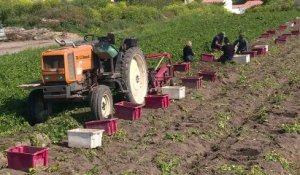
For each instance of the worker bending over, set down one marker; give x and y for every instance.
(217, 42)
(228, 51)
(242, 44)
(188, 52)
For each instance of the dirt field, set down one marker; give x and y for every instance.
(19, 39)
(232, 126)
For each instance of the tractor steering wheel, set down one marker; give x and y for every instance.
(89, 37)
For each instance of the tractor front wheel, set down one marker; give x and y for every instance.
(101, 102)
(38, 109)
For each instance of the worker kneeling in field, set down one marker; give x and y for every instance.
(217, 42)
(242, 44)
(188, 52)
(228, 51)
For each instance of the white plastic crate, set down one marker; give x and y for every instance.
(290, 24)
(262, 46)
(85, 138)
(243, 59)
(174, 92)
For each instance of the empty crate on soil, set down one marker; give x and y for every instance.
(280, 41)
(260, 51)
(108, 125)
(85, 138)
(252, 54)
(283, 27)
(182, 67)
(295, 32)
(271, 31)
(265, 35)
(157, 101)
(207, 75)
(174, 92)
(242, 59)
(192, 82)
(128, 111)
(26, 157)
(207, 57)
(262, 46)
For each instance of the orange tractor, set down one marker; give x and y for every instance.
(89, 70)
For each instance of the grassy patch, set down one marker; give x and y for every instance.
(291, 128)
(275, 157)
(197, 95)
(176, 137)
(241, 169)
(262, 115)
(57, 128)
(235, 169)
(278, 98)
(121, 135)
(242, 79)
(294, 78)
(223, 119)
(167, 163)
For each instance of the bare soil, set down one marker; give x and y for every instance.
(236, 120)
(19, 39)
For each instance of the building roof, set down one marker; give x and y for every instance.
(248, 4)
(213, 1)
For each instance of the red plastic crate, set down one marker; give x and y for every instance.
(192, 82)
(265, 35)
(260, 51)
(25, 157)
(283, 27)
(207, 75)
(128, 111)
(280, 41)
(271, 31)
(252, 54)
(109, 125)
(207, 57)
(182, 67)
(287, 35)
(295, 32)
(157, 101)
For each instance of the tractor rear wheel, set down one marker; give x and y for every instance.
(38, 109)
(101, 102)
(135, 75)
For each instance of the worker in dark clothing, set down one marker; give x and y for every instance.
(241, 43)
(228, 51)
(217, 42)
(188, 52)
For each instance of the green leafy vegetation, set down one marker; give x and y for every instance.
(275, 157)
(241, 169)
(177, 137)
(236, 169)
(121, 135)
(223, 118)
(291, 128)
(262, 115)
(167, 163)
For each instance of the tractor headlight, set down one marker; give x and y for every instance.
(47, 77)
(61, 77)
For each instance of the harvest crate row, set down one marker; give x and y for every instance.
(26, 157)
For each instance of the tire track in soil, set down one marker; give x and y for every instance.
(209, 162)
